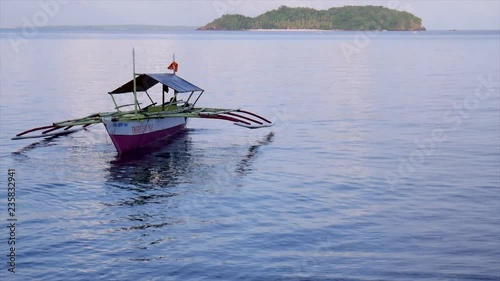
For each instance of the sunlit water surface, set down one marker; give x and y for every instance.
(384, 163)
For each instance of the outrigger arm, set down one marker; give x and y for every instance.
(239, 117)
(67, 126)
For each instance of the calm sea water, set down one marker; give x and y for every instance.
(384, 163)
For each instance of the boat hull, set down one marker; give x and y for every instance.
(130, 135)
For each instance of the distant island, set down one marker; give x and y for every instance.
(348, 18)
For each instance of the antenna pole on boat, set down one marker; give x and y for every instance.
(135, 92)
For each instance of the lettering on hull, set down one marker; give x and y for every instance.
(142, 129)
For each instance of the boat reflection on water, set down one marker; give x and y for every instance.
(49, 141)
(244, 166)
(168, 165)
(161, 164)
(166, 183)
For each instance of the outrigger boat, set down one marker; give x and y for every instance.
(139, 127)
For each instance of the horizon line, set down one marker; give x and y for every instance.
(183, 26)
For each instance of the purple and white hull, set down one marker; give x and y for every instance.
(129, 135)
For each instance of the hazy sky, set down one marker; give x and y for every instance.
(436, 14)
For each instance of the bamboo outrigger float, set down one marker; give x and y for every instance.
(141, 126)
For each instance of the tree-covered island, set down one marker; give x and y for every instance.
(349, 18)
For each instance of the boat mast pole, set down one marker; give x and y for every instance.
(135, 92)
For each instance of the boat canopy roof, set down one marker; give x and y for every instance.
(146, 81)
